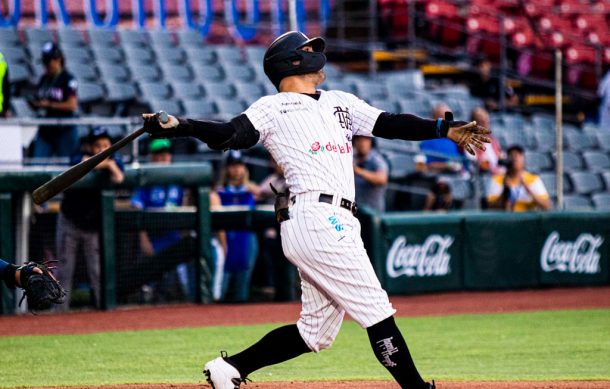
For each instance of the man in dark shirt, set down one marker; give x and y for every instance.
(56, 97)
(78, 222)
(487, 88)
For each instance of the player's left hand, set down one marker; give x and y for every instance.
(156, 129)
(470, 136)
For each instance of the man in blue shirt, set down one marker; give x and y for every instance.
(371, 174)
(442, 155)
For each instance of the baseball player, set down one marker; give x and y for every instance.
(309, 133)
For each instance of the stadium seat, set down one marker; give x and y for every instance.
(229, 108)
(606, 178)
(219, 90)
(114, 72)
(601, 201)
(208, 73)
(99, 38)
(576, 203)
(108, 54)
(133, 38)
(9, 38)
(83, 72)
(228, 54)
(236, 72)
(14, 55)
(571, 162)
(400, 165)
(203, 55)
(597, 161)
(39, 35)
(120, 92)
(145, 73)
(249, 91)
(371, 90)
(199, 109)
(171, 106)
(543, 122)
(537, 162)
(386, 105)
(550, 183)
(89, 93)
(139, 55)
(21, 108)
(69, 37)
(577, 142)
(19, 73)
(586, 183)
(545, 141)
(187, 90)
(190, 38)
(255, 55)
(154, 90)
(173, 55)
(77, 54)
(177, 72)
(603, 140)
(162, 38)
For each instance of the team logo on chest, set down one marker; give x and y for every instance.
(344, 117)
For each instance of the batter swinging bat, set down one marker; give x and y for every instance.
(76, 172)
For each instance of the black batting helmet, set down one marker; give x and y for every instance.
(279, 57)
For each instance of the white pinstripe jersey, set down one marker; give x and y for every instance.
(311, 139)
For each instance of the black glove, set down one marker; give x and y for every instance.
(41, 289)
(282, 202)
(173, 128)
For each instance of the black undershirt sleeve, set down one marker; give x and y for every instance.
(238, 133)
(408, 127)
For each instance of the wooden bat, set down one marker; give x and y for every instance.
(76, 172)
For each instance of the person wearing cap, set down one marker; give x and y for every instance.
(235, 188)
(517, 190)
(370, 174)
(56, 98)
(79, 220)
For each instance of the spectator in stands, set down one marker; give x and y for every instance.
(56, 97)
(603, 91)
(488, 159)
(517, 190)
(487, 88)
(5, 90)
(442, 155)
(162, 197)
(280, 274)
(79, 219)
(371, 174)
(439, 198)
(219, 252)
(235, 188)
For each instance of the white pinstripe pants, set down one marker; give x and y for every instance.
(323, 241)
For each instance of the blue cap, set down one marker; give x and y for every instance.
(50, 51)
(98, 133)
(234, 157)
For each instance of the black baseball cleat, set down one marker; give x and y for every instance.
(430, 385)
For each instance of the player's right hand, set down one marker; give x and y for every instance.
(156, 129)
(470, 136)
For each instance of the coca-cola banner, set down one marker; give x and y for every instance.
(575, 249)
(422, 253)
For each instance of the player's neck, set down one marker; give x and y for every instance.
(297, 84)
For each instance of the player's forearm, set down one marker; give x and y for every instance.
(408, 127)
(239, 133)
(8, 273)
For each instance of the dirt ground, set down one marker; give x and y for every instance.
(161, 317)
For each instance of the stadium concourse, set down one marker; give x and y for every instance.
(127, 72)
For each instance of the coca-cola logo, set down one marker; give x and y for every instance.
(579, 256)
(419, 260)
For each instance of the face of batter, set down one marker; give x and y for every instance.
(315, 78)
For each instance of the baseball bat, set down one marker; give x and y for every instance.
(76, 172)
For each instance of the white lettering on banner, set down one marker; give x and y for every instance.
(428, 259)
(579, 256)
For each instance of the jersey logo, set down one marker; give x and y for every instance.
(317, 148)
(345, 119)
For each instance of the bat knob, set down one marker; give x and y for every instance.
(448, 116)
(163, 117)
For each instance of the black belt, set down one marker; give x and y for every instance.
(345, 203)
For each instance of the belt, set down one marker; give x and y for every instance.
(328, 199)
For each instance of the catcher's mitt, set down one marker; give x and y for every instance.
(41, 289)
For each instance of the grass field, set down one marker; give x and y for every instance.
(550, 345)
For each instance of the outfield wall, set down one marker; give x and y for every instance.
(411, 252)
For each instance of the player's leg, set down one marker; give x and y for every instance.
(66, 244)
(91, 247)
(344, 271)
